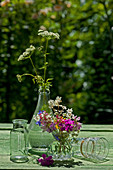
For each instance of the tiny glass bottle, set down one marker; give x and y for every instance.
(18, 141)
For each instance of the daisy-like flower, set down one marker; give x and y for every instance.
(59, 99)
(70, 111)
(51, 103)
(64, 107)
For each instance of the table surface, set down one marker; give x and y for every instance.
(79, 163)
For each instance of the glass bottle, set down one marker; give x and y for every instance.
(38, 139)
(18, 141)
(93, 148)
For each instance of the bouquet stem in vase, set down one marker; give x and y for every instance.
(60, 150)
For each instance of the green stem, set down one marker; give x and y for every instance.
(45, 63)
(33, 66)
(27, 74)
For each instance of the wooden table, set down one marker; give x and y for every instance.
(86, 131)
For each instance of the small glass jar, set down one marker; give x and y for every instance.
(60, 151)
(95, 148)
(18, 141)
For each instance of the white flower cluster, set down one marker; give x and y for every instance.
(55, 102)
(26, 53)
(59, 109)
(49, 35)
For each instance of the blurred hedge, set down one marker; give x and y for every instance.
(81, 62)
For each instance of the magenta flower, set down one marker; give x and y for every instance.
(46, 161)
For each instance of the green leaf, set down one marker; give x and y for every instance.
(46, 63)
(42, 68)
(49, 79)
(33, 80)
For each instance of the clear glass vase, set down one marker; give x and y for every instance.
(60, 149)
(39, 140)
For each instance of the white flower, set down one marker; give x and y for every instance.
(28, 50)
(64, 107)
(20, 58)
(72, 116)
(70, 110)
(48, 117)
(37, 117)
(51, 103)
(48, 35)
(58, 99)
(56, 103)
(40, 30)
(32, 47)
(25, 54)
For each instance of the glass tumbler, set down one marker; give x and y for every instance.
(95, 148)
(19, 141)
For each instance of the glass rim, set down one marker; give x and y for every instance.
(20, 121)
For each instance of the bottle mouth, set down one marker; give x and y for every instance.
(20, 121)
(43, 90)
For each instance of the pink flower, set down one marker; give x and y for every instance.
(46, 161)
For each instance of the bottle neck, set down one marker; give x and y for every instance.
(19, 124)
(44, 97)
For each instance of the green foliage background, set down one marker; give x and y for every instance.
(81, 62)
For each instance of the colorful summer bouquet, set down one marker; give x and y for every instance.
(61, 122)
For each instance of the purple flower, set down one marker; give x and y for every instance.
(49, 129)
(79, 125)
(69, 128)
(46, 161)
(52, 127)
(56, 137)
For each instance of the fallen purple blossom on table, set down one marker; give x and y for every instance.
(46, 161)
